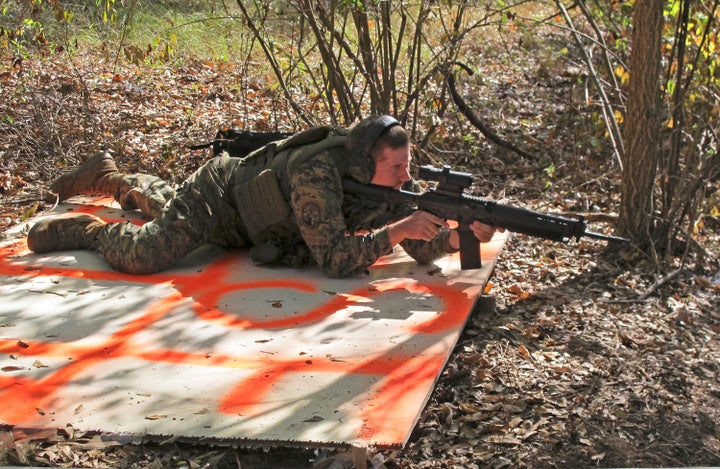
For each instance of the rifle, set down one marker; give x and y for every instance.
(448, 202)
(240, 143)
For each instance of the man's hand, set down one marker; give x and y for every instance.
(482, 232)
(426, 226)
(420, 225)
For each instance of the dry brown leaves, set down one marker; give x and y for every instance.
(64, 447)
(572, 370)
(581, 363)
(54, 113)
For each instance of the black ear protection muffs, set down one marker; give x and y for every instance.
(361, 139)
(377, 127)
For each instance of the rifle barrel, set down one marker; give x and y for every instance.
(608, 238)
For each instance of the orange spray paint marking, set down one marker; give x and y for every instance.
(401, 376)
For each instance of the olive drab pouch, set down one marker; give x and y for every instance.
(261, 204)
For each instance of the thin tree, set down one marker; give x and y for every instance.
(642, 127)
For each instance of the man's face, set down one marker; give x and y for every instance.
(392, 167)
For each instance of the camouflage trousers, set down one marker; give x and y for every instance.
(201, 211)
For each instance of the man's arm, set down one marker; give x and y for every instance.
(316, 199)
(444, 241)
(426, 226)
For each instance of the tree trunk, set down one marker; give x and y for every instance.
(642, 127)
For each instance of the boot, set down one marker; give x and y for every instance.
(64, 232)
(90, 177)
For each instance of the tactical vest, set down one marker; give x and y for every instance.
(262, 179)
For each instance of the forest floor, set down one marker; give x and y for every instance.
(576, 359)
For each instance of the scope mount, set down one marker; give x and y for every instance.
(450, 182)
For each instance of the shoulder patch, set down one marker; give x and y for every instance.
(310, 214)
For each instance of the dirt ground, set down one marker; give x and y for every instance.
(577, 357)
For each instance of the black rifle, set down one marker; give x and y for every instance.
(448, 202)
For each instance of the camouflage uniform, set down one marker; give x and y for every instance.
(207, 209)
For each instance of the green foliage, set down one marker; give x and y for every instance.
(20, 28)
(107, 10)
(687, 156)
(24, 29)
(159, 29)
(349, 5)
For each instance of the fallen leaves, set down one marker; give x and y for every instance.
(62, 446)
(567, 369)
(148, 115)
(571, 376)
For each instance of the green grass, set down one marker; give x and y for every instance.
(150, 32)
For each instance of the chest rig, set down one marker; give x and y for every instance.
(261, 183)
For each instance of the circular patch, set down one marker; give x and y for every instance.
(311, 215)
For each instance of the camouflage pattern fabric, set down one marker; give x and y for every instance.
(202, 212)
(326, 216)
(322, 229)
(142, 191)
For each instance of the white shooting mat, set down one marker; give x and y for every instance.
(221, 349)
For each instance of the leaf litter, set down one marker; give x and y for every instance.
(575, 363)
